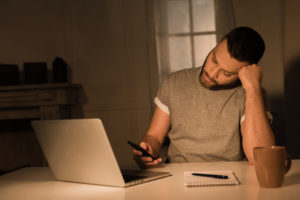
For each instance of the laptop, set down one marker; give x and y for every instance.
(78, 150)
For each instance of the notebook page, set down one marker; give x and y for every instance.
(193, 181)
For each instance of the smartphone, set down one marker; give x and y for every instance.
(137, 147)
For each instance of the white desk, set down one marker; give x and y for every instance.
(37, 183)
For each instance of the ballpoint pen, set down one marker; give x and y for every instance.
(211, 175)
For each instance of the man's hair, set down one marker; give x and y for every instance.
(245, 44)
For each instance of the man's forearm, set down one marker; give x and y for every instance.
(256, 128)
(157, 131)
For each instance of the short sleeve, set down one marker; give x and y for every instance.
(267, 105)
(242, 115)
(161, 99)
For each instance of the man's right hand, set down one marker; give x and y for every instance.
(145, 161)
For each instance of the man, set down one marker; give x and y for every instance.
(216, 112)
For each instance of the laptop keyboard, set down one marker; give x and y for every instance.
(128, 178)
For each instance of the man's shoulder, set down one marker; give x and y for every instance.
(185, 73)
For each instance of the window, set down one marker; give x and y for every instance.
(188, 32)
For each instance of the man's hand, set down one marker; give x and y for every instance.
(143, 161)
(251, 76)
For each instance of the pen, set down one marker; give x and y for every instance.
(211, 175)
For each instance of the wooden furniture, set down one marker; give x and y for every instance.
(22, 103)
(38, 183)
(44, 101)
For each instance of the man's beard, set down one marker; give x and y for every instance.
(216, 86)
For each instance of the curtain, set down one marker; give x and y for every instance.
(160, 20)
(225, 18)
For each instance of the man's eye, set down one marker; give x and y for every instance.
(227, 73)
(214, 59)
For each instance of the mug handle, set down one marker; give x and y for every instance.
(288, 163)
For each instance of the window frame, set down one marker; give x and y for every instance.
(191, 34)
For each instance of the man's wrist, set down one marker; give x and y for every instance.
(152, 143)
(253, 90)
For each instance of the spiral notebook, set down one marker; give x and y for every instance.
(191, 180)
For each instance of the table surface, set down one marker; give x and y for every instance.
(38, 183)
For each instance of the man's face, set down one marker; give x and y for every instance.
(220, 69)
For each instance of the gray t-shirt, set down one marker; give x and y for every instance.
(205, 124)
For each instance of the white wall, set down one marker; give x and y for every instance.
(266, 16)
(110, 59)
(106, 44)
(278, 22)
(292, 73)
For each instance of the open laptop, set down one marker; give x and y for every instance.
(78, 150)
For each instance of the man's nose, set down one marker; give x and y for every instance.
(214, 73)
